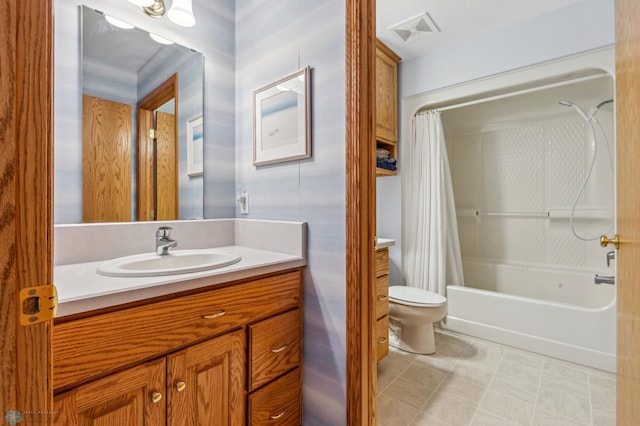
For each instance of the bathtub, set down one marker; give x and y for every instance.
(552, 312)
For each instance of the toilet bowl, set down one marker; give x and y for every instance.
(412, 312)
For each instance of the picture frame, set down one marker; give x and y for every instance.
(282, 119)
(195, 139)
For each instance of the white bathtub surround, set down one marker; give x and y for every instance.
(265, 247)
(431, 250)
(558, 314)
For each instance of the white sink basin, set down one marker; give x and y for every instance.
(176, 262)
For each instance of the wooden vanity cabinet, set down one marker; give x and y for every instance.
(382, 303)
(143, 366)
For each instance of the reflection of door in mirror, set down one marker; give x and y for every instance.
(158, 153)
(106, 160)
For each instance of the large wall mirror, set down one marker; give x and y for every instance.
(142, 125)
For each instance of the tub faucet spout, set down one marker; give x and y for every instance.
(164, 241)
(604, 279)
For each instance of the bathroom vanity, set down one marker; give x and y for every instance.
(382, 297)
(212, 347)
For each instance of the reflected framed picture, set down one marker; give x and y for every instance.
(282, 119)
(195, 134)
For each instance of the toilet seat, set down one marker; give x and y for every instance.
(411, 296)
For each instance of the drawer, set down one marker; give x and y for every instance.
(274, 347)
(382, 296)
(382, 262)
(278, 403)
(92, 347)
(382, 338)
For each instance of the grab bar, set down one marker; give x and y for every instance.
(604, 279)
(516, 214)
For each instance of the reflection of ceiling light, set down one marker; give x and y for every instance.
(415, 28)
(118, 23)
(159, 39)
(181, 13)
(282, 88)
(142, 3)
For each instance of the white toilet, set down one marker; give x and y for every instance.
(412, 312)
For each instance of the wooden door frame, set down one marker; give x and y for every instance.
(360, 211)
(26, 202)
(165, 91)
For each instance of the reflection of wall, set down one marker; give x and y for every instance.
(273, 39)
(214, 38)
(582, 26)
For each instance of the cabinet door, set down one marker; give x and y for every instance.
(205, 383)
(386, 95)
(132, 397)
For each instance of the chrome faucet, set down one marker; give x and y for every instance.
(164, 241)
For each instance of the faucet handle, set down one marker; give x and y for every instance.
(610, 256)
(164, 231)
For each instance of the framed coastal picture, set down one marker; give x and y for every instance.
(195, 133)
(282, 119)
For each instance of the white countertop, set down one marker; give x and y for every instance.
(384, 242)
(82, 289)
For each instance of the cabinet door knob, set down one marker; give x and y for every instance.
(216, 315)
(382, 297)
(156, 397)
(280, 349)
(181, 386)
(276, 417)
(382, 340)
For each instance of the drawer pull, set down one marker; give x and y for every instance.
(383, 340)
(280, 349)
(156, 397)
(279, 415)
(382, 297)
(181, 386)
(214, 316)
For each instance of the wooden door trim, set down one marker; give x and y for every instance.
(360, 209)
(165, 91)
(26, 202)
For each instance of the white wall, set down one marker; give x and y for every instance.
(581, 27)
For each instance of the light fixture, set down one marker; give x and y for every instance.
(142, 3)
(118, 23)
(180, 13)
(159, 39)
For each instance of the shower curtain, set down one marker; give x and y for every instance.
(431, 249)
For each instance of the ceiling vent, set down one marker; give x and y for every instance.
(415, 28)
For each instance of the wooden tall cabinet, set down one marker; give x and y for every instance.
(225, 355)
(386, 102)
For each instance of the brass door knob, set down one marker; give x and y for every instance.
(156, 397)
(605, 241)
(181, 386)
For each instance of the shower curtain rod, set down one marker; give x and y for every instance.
(518, 92)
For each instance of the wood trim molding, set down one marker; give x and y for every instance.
(360, 222)
(26, 201)
(628, 211)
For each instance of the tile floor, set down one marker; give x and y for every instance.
(471, 381)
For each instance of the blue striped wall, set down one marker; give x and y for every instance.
(214, 37)
(274, 39)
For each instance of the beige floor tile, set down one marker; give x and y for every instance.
(391, 412)
(422, 419)
(566, 385)
(554, 369)
(507, 407)
(396, 361)
(449, 410)
(479, 374)
(604, 417)
(518, 370)
(569, 406)
(424, 374)
(484, 418)
(463, 389)
(439, 362)
(409, 392)
(448, 349)
(603, 393)
(546, 418)
(526, 358)
(525, 389)
(482, 351)
(385, 377)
